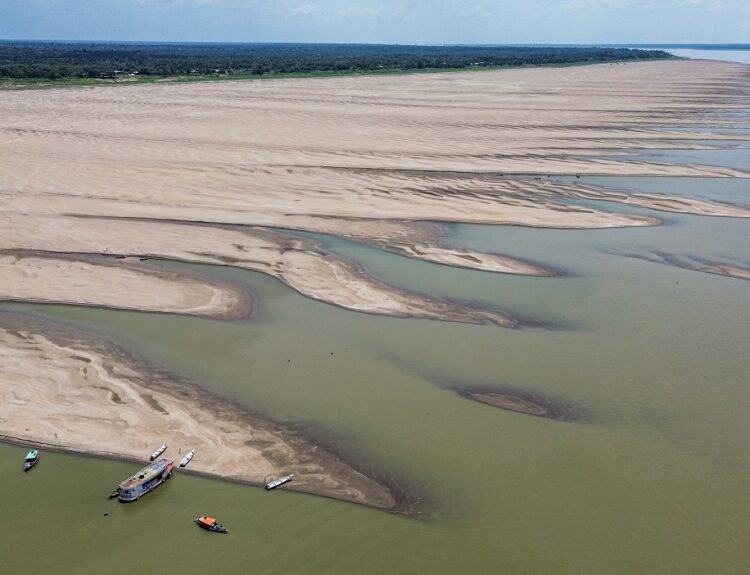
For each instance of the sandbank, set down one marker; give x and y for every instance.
(697, 264)
(99, 282)
(70, 391)
(300, 263)
(519, 402)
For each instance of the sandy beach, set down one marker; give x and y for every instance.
(63, 390)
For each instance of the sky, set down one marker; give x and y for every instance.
(381, 21)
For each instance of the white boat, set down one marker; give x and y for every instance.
(158, 452)
(279, 482)
(185, 460)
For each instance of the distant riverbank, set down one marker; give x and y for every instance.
(726, 53)
(33, 63)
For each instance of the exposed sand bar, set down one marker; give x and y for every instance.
(78, 280)
(370, 159)
(299, 262)
(76, 393)
(366, 158)
(697, 264)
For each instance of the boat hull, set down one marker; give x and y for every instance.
(215, 528)
(134, 490)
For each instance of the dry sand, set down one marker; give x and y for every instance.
(81, 280)
(66, 391)
(372, 159)
(366, 158)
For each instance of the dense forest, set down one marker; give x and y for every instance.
(60, 60)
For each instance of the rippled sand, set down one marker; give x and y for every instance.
(366, 158)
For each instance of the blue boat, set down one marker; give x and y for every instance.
(31, 458)
(145, 480)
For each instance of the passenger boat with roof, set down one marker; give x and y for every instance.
(158, 452)
(211, 524)
(31, 458)
(148, 478)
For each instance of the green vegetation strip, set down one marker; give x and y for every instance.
(59, 64)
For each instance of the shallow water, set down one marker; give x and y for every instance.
(741, 56)
(650, 476)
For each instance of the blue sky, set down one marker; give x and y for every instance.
(386, 21)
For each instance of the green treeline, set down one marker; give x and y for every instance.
(62, 60)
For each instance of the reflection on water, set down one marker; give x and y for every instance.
(652, 479)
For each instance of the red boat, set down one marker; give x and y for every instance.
(211, 524)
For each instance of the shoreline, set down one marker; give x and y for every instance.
(300, 263)
(88, 280)
(108, 400)
(36, 84)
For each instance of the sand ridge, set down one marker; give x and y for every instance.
(370, 159)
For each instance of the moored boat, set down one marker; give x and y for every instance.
(279, 482)
(148, 478)
(31, 458)
(158, 452)
(188, 458)
(211, 524)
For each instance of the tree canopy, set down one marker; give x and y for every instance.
(58, 60)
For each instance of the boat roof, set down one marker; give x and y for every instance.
(148, 472)
(207, 520)
(31, 454)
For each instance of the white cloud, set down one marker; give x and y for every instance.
(306, 9)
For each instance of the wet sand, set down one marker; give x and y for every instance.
(696, 264)
(72, 392)
(519, 402)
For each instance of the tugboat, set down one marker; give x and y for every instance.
(187, 459)
(279, 482)
(211, 524)
(145, 480)
(31, 458)
(158, 452)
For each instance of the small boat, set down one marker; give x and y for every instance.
(211, 524)
(158, 452)
(115, 493)
(31, 458)
(188, 458)
(279, 482)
